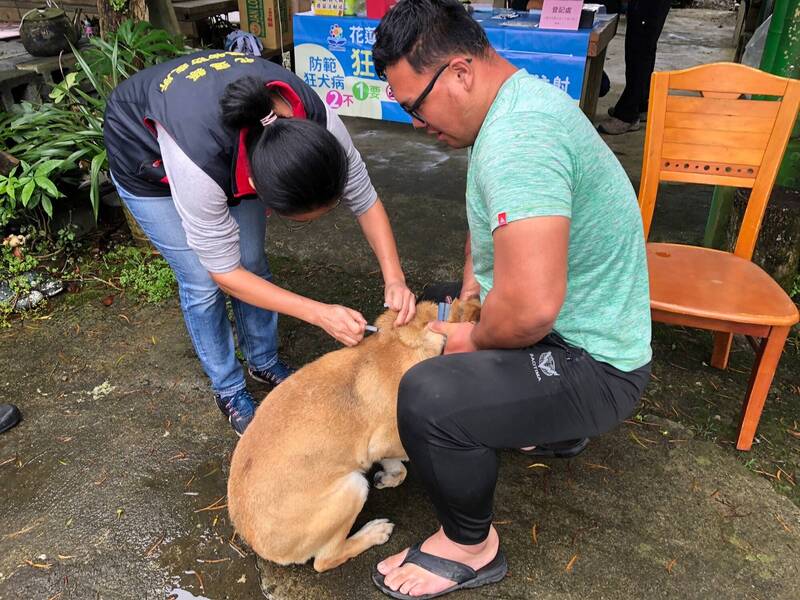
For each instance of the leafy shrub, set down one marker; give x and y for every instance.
(60, 143)
(146, 275)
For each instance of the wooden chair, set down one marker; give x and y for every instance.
(719, 136)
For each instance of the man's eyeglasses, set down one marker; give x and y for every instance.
(413, 110)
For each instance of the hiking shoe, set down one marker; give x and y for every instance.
(273, 375)
(239, 408)
(642, 114)
(615, 126)
(9, 416)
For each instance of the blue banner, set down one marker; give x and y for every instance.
(334, 56)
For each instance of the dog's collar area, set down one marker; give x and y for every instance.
(443, 311)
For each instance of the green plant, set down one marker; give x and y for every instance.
(795, 291)
(53, 148)
(148, 276)
(31, 188)
(12, 273)
(61, 143)
(11, 267)
(101, 68)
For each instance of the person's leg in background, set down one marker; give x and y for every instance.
(655, 17)
(645, 21)
(202, 304)
(257, 329)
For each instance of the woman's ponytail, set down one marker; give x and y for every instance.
(245, 102)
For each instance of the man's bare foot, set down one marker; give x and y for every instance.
(416, 581)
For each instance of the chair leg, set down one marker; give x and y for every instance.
(766, 363)
(722, 348)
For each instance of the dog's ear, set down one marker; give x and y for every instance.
(411, 334)
(386, 321)
(463, 311)
(426, 312)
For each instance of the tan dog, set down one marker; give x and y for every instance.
(297, 475)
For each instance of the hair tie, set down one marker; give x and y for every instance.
(269, 119)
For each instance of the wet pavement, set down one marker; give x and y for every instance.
(113, 486)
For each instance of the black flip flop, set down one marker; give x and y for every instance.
(9, 416)
(464, 576)
(568, 449)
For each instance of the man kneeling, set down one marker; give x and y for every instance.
(557, 255)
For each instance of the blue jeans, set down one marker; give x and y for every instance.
(202, 302)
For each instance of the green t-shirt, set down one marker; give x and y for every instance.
(538, 155)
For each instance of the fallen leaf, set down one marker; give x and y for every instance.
(671, 564)
(108, 300)
(212, 561)
(16, 534)
(787, 476)
(155, 545)
(533, 534)
(596, 466)
(571, 564)
(538, 466)
(783, 524)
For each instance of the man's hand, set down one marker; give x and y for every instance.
(459, 336)
(398, 297)
(469, 289)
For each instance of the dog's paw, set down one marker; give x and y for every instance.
(377, 531)
(392, 474)
(382, 479)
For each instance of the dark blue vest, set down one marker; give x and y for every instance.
(183, 96)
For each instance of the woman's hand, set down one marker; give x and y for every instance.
(398, 297)
(342, 323)
(459, 336)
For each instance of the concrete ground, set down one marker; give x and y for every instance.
(113, 486)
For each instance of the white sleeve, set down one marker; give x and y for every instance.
(211, 231)
(359, 194)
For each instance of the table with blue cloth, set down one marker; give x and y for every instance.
(334, 56)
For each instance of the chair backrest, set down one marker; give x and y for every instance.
(702, 128)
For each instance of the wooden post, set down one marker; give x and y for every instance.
(719, 217)
(162, 15)
(110, 18)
